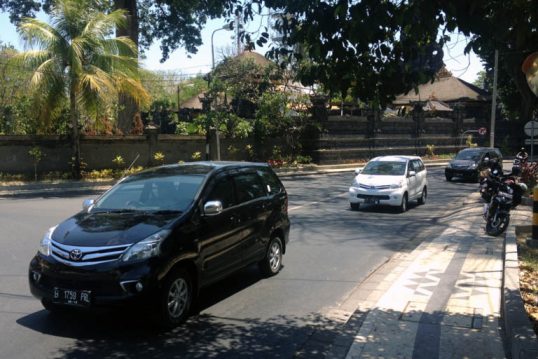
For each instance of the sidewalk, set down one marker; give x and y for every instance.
(442, 300)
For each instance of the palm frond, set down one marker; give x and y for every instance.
(37, 33)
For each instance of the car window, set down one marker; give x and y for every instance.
(152, 193)
(417, 165)
(271, 180)
(248, 186)
(385, 168)
(468, 155)
(411, 167)
(224, 192)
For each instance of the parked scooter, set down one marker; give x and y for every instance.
(489, 179)
(507, 195)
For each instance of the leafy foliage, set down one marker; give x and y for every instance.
(76, 60)
(175, 23)
(375, 48)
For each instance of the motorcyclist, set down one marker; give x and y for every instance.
(494, 166)
(522, 155)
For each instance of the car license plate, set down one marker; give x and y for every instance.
(371, 201)
(71, 296)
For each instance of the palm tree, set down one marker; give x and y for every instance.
(77, 59)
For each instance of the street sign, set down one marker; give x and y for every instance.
(529, 141)
(531, 128)
(482, 131)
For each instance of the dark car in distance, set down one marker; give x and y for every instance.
(469, 162)
(160, 235)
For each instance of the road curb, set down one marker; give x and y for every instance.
(93, 187)
(520, 338)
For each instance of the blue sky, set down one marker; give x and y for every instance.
(463, 66)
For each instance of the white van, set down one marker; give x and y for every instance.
(390, 180)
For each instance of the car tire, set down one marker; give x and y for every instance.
(176, 298)
(272, 262)
(423, 196)
(476, 177)
(355, 206)
(448, 177)
(403, 205)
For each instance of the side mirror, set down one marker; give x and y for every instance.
(358, 170)
(87, 203)
(212, 208)
(412, 174)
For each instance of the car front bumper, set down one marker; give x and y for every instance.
(461, 172)
(390, 197)
(107, 286)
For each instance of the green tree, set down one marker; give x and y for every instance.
(241, 80)
(382, 48)
(75, 58)
(175, 23)
(506, 26)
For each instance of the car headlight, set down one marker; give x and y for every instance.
(449, 165)
(44, 245)
(355, 183)
(473, 165)
(396, 185)
(146, 248)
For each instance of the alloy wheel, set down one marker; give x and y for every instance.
(275, 256)
(178, 298)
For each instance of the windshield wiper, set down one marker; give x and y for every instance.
(165, 211)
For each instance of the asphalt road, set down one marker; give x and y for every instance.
(331, 250)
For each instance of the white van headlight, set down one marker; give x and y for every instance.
(396, 185)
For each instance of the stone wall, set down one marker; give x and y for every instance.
(99, 151)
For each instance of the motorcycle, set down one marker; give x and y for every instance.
(488, 183)
(508, 194)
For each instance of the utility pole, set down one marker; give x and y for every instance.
(494, 101)
(178, 103)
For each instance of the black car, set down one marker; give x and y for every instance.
(470, 161)
(162, 234)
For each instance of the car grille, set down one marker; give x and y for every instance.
(375, 197)
(364, 186)
(86, 256)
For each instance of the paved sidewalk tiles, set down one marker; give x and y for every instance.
(441, 300)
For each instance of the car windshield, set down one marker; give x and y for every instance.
(468, 155)
(151, 193)
(385, 168)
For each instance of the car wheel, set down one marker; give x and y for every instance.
(271, 264)
(355, 206)
(176, 298)
(403, 205)
(448, 178)
(424, 196)
(476, 177)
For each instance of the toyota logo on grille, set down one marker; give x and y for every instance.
(75, 254)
